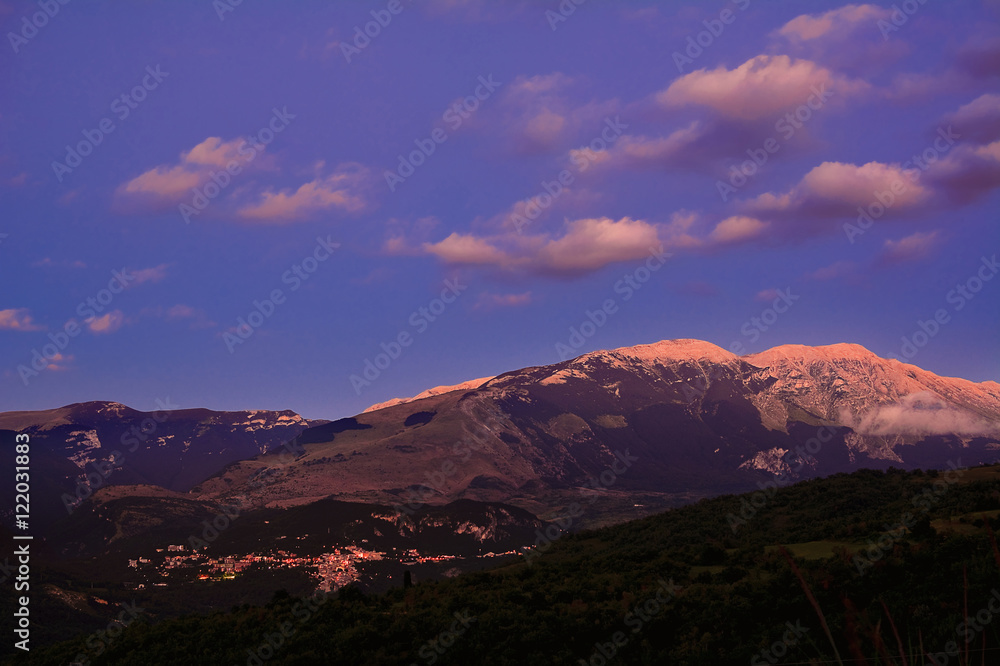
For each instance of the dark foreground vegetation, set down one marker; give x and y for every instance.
(870, 567)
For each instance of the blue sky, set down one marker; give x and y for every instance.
(509, 167)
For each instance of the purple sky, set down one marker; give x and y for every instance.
(504, 167)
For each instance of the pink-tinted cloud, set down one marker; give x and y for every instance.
(678, 148)
(591, 244)
(586, 245)
(164, 182)
(343, 190)
(968, 172)
(837, 189)
(737, 228)
(214, 152)
(465, 249)
(808, 27)
(59, 362)
(846, 39)
(154, 274)
(18, 319)
(979, 120)
(762, 87)
(169, 184)
(914, 247)
(109, 322)
(174, 182)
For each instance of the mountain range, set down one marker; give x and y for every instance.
(640, 428)
(691, 419)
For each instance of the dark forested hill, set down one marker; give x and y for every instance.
(864, 566)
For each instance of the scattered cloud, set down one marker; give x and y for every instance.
(846, 39)
(591, 244)
(175, 181)
(911, 248)
(154, 274)
(465, 249)
(18, 319)
(923, 413)
(979, 120)
(344, 190)
(737, 229)
(109, 322)
(808, 27)
(762, 87)
(585, 245)
(835, 190)
(59, 362)
(968, 172)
